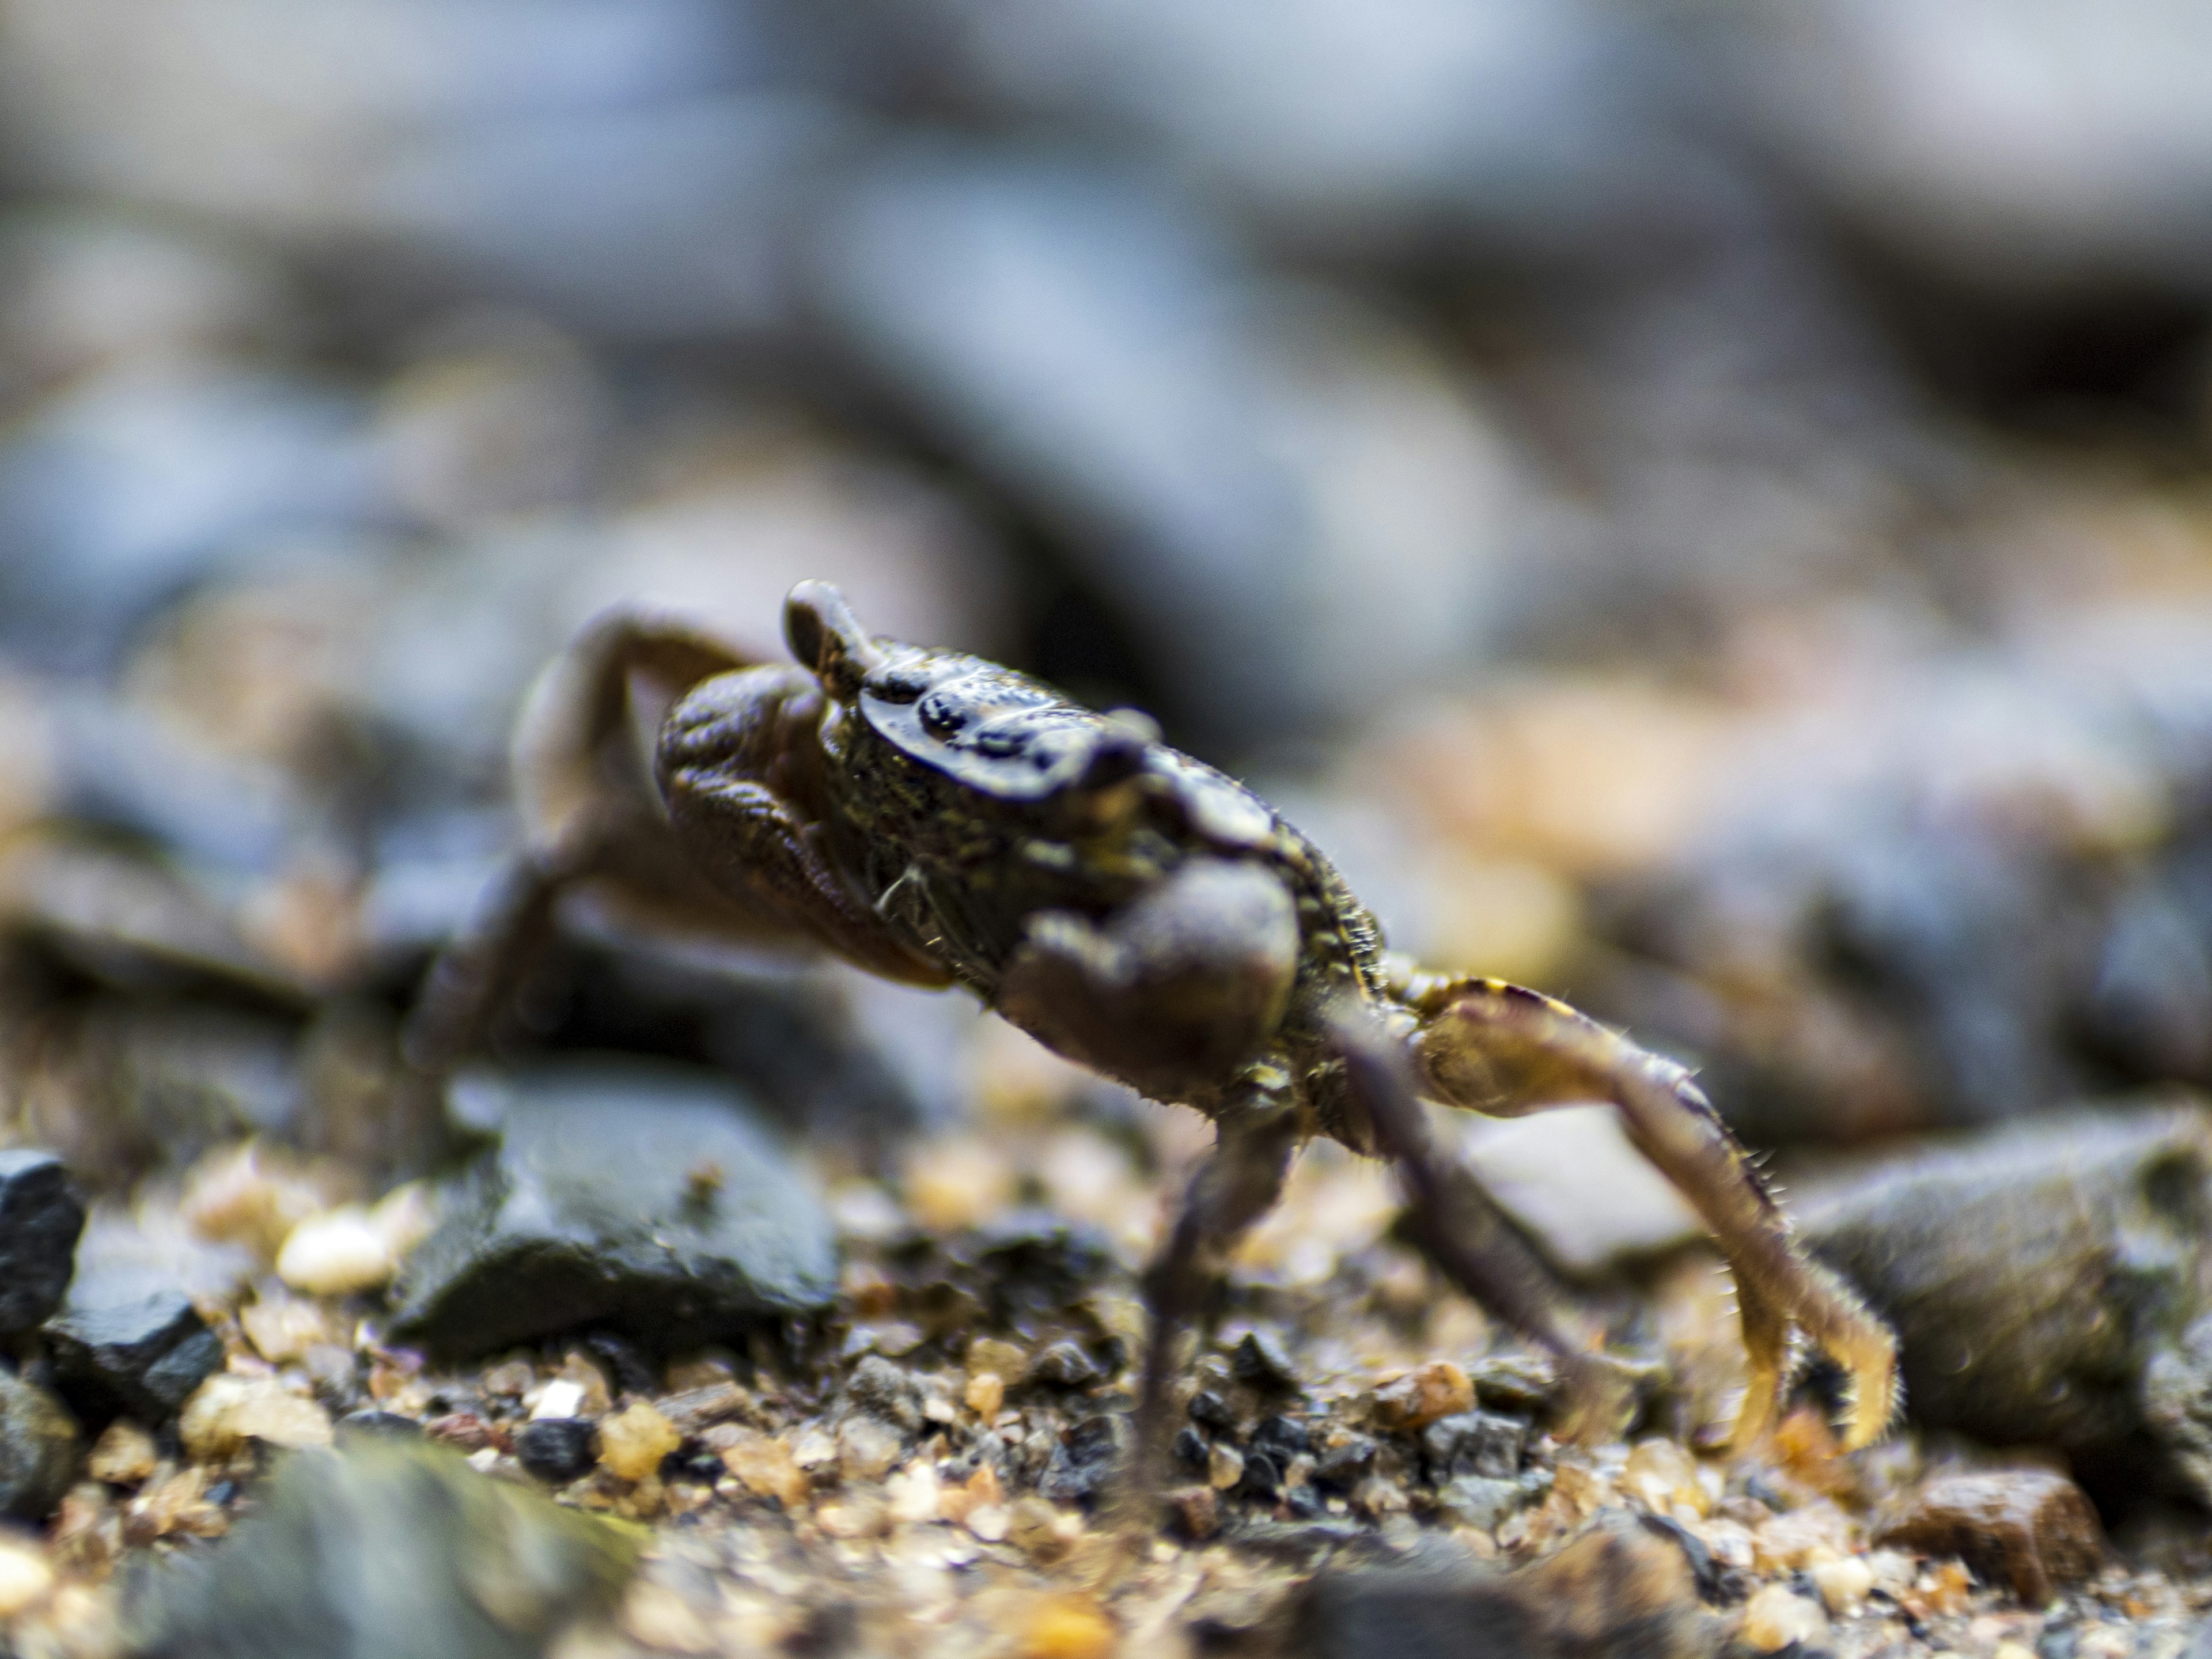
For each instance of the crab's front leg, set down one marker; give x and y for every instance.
(1502, 1049)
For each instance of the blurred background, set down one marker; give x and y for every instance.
(1701, 508)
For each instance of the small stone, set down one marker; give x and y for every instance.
(862, 1515)
(657, 1617)
(1344, 1461)
(1378, 1496)
(1472, 1442)
(887, 1391)
(40, 1217)
(1776, 1617)
(562, 1397)
(227, 1411)
(124, 1455)
(145, 1355)
(1662, 1473)
(1039, 1530)
(1065, 1365)
(866, 1449)
(1259, 1361)
(914, 1494)
(1209, 1409)
(634, 1441)
(1068, 1627)
(464, 1431)
(986, 1395)
(2028, 1527)
(1843, 1585)
(388, 1547)
(1006, 1360)
(1224, 1467)
(557, 1450)
(245, 1195)
(283, 1328)
(766, 1468)
(991, 1522)
(696, 1409)
(337, 1253)
(1478, 1501)
(586, 1216)
(1417, 1399)
(38, 1448)
(954, 1184)
(1083, 1462)
(1197, 1512)
(25, 1577)
(980, 1491)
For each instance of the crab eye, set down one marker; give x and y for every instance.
(900, 685)
(942, 716)
(999, 744)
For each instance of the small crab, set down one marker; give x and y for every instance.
(938, 820)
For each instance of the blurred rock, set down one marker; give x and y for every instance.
(38, 1448)
(144, 1356)
(1621, 1587)
(644, 1199)
(2030, 1529)
(1571, 1177)
(40, 1217)
(381, 1549)
(557, 1450)
(2039, 1278)
(1222, 458)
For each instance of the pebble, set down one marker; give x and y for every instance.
(2030, 1529)
(1224, 1467)
(1479, 1501)
(764, 1465)
(40, 1217)
(245, 1195)
(337, 1252)
(228, 1411)
(1197, 1512)
(957, 1182)
(985, 1395)
(145, 1354)
(1068, 1628)
(124, 1455)
(561, 1397)
(1663, 1474)
(1777, 1616)
(1003, 1359)
(590, 1202)
(1259, 1359)
(634, 1441)
(283, 1328)
(914, 1494)
(1040, 1530)
(462, 1564)
(557, 1450)
(25, 1577)
(866, 1449)
(1474, 1444)
(1844, 1584)
(1417, 1399)
(1064, 1365)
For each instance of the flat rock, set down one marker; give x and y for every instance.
(383, 1549)
(142, 1354)
(40, 1217)
(644, 1199)
(2030, 1529)
(39, 1447)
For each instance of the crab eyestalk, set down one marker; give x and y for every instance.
(824, 635)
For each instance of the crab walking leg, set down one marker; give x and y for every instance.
(1503, 1049)
(1459, 1225)
(1231, 1190)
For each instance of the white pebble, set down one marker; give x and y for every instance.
(1842, 1585)
(337, 1253)
(559, 1398)
(1777, 1616)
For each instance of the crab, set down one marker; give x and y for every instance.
(938, 820)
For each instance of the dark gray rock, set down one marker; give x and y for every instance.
(648, 1200)
(141, 1355)
(885, 1390)
(1474, 1443)
(2044, 1282)
(383, 1550)
(1084, 1462)
(1477, 1500)
(1065, 1365)
(40, 1217)
(38, 1446)
(557, 1450)
(1259, 1359)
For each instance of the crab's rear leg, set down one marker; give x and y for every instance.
(1502, 1049)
